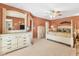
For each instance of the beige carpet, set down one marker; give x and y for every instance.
(44, 47)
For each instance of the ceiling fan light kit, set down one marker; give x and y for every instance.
(55, 13)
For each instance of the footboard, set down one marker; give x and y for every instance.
(60, 39)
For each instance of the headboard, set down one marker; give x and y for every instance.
(65, 22)
(64, 28)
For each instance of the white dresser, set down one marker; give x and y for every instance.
(11, 42)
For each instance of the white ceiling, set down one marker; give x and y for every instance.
(43, 9)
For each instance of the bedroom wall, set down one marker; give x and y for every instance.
(0, 20)
(57, 22)
(76, 21)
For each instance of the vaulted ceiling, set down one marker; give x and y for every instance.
(43, 9)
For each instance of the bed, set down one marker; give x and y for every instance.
(63, 34)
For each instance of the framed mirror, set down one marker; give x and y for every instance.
(15, 25)
(15, 22)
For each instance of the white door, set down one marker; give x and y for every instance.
(40, 32)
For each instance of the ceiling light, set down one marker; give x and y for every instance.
(55, 13)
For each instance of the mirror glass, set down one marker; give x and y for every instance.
(15, 25)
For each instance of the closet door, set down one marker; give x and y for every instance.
(40, 32)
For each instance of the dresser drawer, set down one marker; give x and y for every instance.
(14, 47)
(24, 40)
(7, 37)
(9, 48)
(6, 41)
(6, 49)
(13, 42)
(19, 45)
(25, 44)
(22, 44)
(6, 44)
(29, 39)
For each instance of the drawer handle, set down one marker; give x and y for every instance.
(24, 43)
(9, 44)
(0, 38)
(9, 41)
(24, 40)
(8, 47)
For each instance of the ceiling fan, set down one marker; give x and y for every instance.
(55, 13)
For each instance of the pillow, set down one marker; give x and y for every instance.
(64, 30)
(60, 29)
(67, 30)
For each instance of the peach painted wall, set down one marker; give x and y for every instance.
(57, 22)
(0, 20)
(76, 21)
